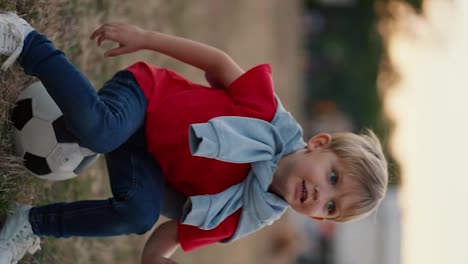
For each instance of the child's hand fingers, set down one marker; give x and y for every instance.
(100, 40)
(97, 32)
(126, 36)
(102, 29)
(106, 35)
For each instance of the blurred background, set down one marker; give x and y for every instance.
(397, 67)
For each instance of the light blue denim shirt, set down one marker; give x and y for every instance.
(243, 140)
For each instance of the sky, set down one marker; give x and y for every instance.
(430, 140)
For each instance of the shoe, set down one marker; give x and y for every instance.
(13, 31)
(17, 237)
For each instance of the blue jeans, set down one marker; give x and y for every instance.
(109, 121)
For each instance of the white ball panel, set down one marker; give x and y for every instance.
(38, 137)
(30, 91)
(65, 157)
(58, 176)
(43, 106)
(86, 152)
(17, 143)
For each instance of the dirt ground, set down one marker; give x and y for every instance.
(253, 32)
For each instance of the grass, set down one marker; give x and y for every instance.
(58, 20)
(15, 183)
(12, 174)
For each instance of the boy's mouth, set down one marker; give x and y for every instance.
(304, 193)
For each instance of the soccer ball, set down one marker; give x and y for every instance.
(41, 138)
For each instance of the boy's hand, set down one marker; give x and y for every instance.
(129, 37)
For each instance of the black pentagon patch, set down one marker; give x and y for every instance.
(84, 164)
(62, 134)
(22, 113)
(38, 165)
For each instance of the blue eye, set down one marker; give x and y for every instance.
(331, 207)
(333, 178)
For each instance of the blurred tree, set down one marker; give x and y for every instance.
(343, 57)
(344, 51)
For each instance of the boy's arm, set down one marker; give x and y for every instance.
(161, 244)
(213, 61)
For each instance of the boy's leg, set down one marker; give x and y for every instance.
(101, 121)
(137, 184)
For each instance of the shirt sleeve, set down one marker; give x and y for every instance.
(192, 238)
(254, 90)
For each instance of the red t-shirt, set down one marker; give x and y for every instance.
(174, 103)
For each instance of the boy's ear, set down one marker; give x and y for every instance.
(318, 141)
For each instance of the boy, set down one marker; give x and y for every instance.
(233, 153)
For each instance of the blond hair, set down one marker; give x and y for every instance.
(366, 166)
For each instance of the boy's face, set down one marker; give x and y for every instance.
(313, 181)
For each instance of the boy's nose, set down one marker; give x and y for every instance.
(322, 194)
